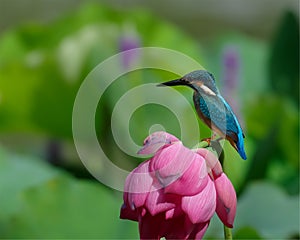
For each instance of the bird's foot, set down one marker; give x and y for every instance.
(208, 140)
(215, 145)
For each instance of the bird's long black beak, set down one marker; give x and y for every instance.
(175, 82)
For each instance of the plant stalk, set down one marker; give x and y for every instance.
(227, 233)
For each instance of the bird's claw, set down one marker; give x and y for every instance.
(208, 140)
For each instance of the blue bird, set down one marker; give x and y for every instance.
(212, 108)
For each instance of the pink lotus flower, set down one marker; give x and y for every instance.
(176, 192)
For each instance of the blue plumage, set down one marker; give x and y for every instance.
(234, 126)
(212, 108)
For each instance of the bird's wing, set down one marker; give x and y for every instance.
(218, 115)
(232, 120)
(219, 112)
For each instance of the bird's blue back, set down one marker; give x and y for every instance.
(219, 112)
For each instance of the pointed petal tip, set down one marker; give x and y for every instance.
(229, 225)
(226, 200)
(127, 213)
(149, 149)
(156, 141)
(142, 151)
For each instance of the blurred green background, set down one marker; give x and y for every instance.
(47, 48)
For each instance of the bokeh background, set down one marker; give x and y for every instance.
(47, 48)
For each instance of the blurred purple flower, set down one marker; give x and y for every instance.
(231, 67)
(128, 41)
(176, 192)
(231, 78)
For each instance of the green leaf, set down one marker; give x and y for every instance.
(246, 233)
(38, 201)
(71, 209)
(284, 59)
(269, 210)
(17, 174)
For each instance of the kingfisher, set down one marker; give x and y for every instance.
(212, 108)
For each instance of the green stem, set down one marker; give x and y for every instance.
(227, 230)
(218, 148)
(227, 233)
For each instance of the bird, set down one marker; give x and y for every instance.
(212, 108)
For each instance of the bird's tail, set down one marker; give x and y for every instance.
(240, 147)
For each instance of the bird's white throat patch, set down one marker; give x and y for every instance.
(207, 90)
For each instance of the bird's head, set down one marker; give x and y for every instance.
(200, 80)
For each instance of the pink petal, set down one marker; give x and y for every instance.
(176, 211)
(226, 200)
(137, 186)
(177, 167)
(212, 162)
(170, 161)
(182, 228)
(156, 141)
(177, 228)
(201, 207)
(170, 213)
(156, 202)
(199, 230)
(128, 213)
(156, 227)
(193, 181)
(150, 226)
